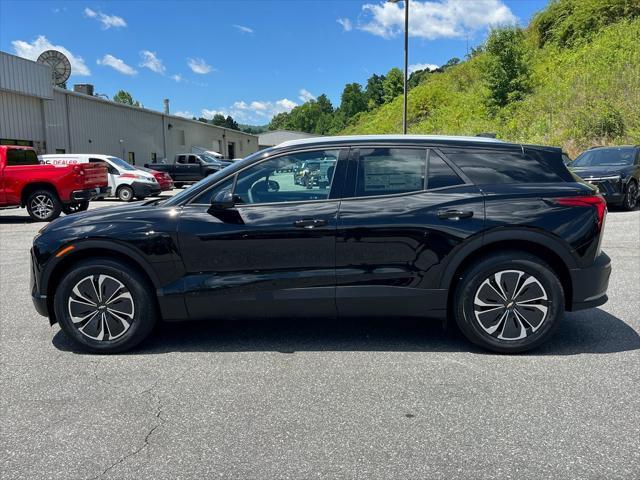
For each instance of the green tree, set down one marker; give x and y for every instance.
(324, 104)
(375, 91)
(279, 122)
(393, 84)
(218, 120)
(507, 68)
(125, 97)
(230, 123)
(452, 62)
(353, 100)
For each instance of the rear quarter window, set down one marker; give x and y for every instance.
(494, 166)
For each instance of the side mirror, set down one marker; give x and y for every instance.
(223, 200)
(273, 186)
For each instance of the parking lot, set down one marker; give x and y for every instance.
(309, 399)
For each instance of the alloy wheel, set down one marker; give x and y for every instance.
(632, 195)
(101, 307)
(42, 206)
(511, 305)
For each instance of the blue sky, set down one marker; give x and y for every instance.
(250, 59)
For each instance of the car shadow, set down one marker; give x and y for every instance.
(13, 219)
(591, 331)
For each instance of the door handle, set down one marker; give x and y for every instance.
(309, 223)
(454, 214)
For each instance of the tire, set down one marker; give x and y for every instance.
(492, 320)
(630, 200)
(125, 193)
(75, 207)
(104, 331)
(44, 205)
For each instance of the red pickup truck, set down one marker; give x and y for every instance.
(47, 190)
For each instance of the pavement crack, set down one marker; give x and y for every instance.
(159, 422)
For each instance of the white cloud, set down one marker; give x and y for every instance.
(184, 114)
(305, 95)
(198, 65)
(421, 66)
(107, 21)
(150, 61)
(110, 61)
(243, 29)
(177, 77)
(347, 26)
(435, 19)
(256, 111)
(34, 49)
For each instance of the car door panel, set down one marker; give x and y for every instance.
(391, 249)
(256, 261)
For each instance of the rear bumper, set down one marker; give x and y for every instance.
(590, 284)
(145, 189)
(84, 195)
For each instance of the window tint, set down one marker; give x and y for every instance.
(485, 167)
(193, 159)
(182, 159)
(441, 174)
(384, 171)
(207, 196)
(297, 177)
(22, 157)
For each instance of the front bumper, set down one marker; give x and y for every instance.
(590, 284)
(39, 299)
(611, 189)
(145, 189)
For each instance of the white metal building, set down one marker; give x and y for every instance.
(55, 120)
(276, 137)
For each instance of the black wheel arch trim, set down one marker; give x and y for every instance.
(503, 234)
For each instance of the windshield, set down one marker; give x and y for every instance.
(605, 157)
(213, 178)
(118, 162)
(209, 158)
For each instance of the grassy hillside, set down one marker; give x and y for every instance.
(580, 93)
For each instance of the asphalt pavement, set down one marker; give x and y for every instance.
(308, 399)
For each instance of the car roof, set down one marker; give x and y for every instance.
(347, 139)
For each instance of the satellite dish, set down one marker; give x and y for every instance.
(60, 65)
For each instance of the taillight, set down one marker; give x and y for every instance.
(79, 171)
(595, 201)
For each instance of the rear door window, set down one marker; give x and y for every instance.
(387, 171)
(17, 157)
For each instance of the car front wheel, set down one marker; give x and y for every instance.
(125, 193)
(105, 306)
(509, 303)
(631, 198)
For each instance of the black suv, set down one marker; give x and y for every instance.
(498, 236)
(614, 170)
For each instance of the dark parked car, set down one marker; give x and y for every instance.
(498, 236)
(614, 170)
(189, 167)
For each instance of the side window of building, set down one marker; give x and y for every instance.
(486, 167)
(440, 174)
(386, 171)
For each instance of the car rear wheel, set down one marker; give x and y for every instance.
(631, 198)
(509, 303)
(44, 205)
(104, 306)
(125, 193)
